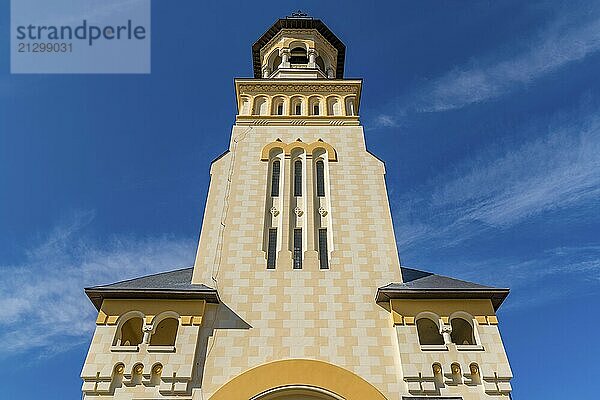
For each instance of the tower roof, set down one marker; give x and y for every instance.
(299, 20)
(426, 285)
(170, 285)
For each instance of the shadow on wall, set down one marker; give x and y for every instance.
(217, 316)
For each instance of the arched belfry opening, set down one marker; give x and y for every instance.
(298, 56)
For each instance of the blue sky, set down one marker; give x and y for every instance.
(493, 109)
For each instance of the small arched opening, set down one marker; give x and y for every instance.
(333, 106)
(320, 63)
(274, 61)
(165, 332)
(278, 106)
(298, 56)
(260, 106)
(462, 331)
(429, 332)
(296, 106)
(130, 333)
(314, 106)
(245, 105)
(350, 107)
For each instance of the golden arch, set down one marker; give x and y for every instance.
(294, 373)
(308, 148)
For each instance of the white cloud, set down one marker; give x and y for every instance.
(560, 169)
(555, 48)
(384, 120)
(568, 39)
(497, 189)
(550, 276)
(43, 304)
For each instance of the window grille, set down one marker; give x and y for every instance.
(323, 253)
(297, 248)
(272, 248)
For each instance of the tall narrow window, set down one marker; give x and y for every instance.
(272, 249)
(298, 109)
(316, 109)
(298, 178)
(275, 178)
(323, 253)
(280, 109)
(298, 248)
(320, 179)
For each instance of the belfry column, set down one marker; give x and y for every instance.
(312, 56)
(285, 58)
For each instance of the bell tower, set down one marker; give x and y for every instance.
(297, 289)
(302, 48)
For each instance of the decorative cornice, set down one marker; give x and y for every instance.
(258, 120)
(279, 87)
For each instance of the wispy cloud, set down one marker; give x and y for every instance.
(571, 38)
(42, 301)
(555, 48)
(550, 276)
(499, 188)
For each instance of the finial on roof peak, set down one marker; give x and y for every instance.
(299, 15)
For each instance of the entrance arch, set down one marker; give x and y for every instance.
(297, 379)
(297, 392)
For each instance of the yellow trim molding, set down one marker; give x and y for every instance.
(404, 311)
(190, 311)
(308, 148)
(311, 373)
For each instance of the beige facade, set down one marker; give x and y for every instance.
(295, 260)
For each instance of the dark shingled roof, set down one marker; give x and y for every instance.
(299, 23)
(421, 285)
(172, 285)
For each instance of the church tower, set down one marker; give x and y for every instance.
(297, 290)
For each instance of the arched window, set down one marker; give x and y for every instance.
(276, 63)
(131, 332)
(429, 332)
(298, 56)
(350, 106)
(278, 107)
(260, 106)
(245, 106)
(275, 173)
(314, 106)
(320, 178)
(165, 333)
(462, 331)
(296, 106)
(298, 178)
(333, 106)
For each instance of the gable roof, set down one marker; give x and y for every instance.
(299, 23)
(421, 285)
(175, 284)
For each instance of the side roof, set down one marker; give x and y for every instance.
(165, 285)
(299, 23)
(426, 285)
